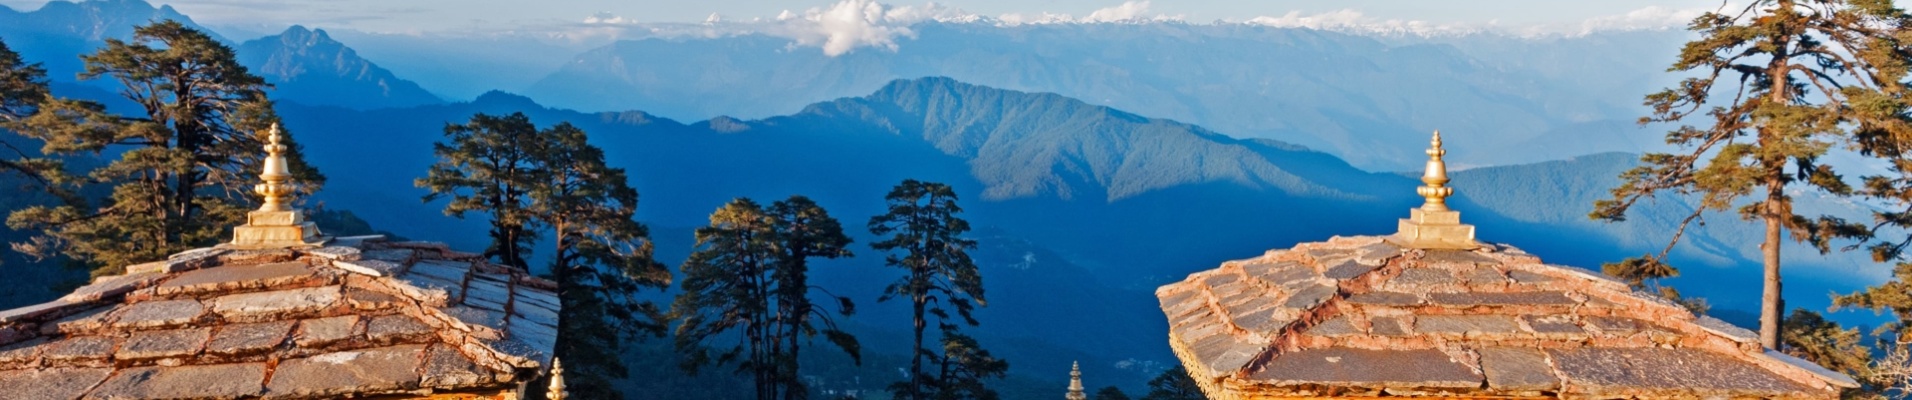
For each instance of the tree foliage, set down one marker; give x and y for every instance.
(184, 166)
(601, 257)
(1775, 85)
(1174, 384)
(490, 166)
(522, 179)
(1110, 393)
(804, 230)
(728, 287)
(923, 235)
(750, 275)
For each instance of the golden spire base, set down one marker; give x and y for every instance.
(1433, 225)
(275, 224)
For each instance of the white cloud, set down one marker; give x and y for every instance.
(1651, 17)
(1128, 11)
(1347, 20)
(849, 25)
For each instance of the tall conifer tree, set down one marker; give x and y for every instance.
(923, 235)
(491, 166)
(601, 258)
(1776, 83)
(728, 288)
(184, 165)
(805, 230)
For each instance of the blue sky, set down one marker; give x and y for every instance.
(423, 16)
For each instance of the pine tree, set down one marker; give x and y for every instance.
(183, 166)
(1777, 83)
(804, 230)
(488, 167)
(963, 367)
(1174, 384)
(23, 94)
(601, 258)
(1111, 393)
(727, 289)
(923, 234)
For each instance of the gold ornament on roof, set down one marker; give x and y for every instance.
(556, 390)
(275, 224)
(1433, 225)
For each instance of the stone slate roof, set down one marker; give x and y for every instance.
(1359, 316)
(358, 317)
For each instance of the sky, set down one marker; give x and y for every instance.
(425, 16)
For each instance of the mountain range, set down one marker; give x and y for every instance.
(304, 65)
(1097, 161)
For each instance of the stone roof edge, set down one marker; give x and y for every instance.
(503, 351)
(1790, 367)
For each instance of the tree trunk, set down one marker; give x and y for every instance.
(916, 358)
(1771, 304)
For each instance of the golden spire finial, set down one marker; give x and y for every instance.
(1433, 225)
(1075, 383)
(1435, 177)
(275, 224)
(556, 390)
(275, 174)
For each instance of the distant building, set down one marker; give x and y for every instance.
(283, 312)
(1430, 312)
(1075, 383)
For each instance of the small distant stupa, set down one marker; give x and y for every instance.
(1075, 383)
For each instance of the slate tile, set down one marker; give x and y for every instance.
(1387, 326)
(1412, 278)
(145, 345)
(1465, 325)
(1286, 274)
(1377, 254)
(159, 313)
(444, 270)
(36, 311)
(357, 371)
(1383, 298)
(1264, 321)
(82, 322)
(371, 267)
(1726, 329)
(111, 286)
(276, 304)
(51, 383)
(363, 299)
(1467, 299)
(1456, 256)
(389, 329)
(1340, 325)
(1224, 353)
(446, 367)
(80, 348)
(217, 381)
(395, 256)
(1664, 369)
(1348, 269)
(336, 253)
(1342, 366)
(236, 277)
(1484, 276)
(320, 332)
(1513, 368)
(239, 339)
(23, 352)
(1554, 325)
(1310, 296)
(1526, 277)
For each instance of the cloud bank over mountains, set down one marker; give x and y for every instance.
(849, 25)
